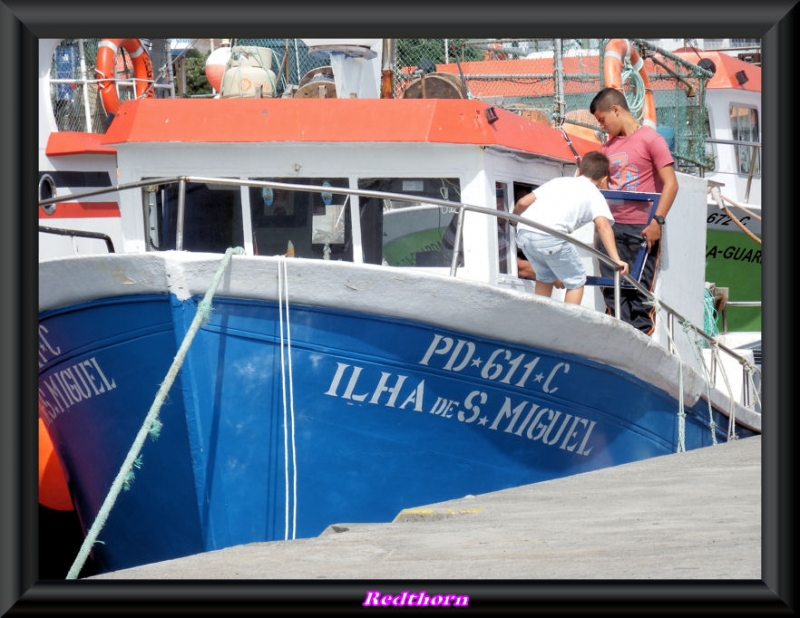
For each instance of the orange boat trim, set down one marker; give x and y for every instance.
(61, 143)
(83, 210)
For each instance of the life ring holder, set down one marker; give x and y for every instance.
(616, 52)
(106, 73)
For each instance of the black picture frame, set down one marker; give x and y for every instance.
(23, 22)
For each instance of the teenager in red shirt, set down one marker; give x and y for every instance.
(640, 161)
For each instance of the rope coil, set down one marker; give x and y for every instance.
(635, 95)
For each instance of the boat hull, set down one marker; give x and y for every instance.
(287, 417)
(733, 262)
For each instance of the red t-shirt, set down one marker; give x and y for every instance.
(635, 161)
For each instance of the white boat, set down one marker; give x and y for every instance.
(270, 349)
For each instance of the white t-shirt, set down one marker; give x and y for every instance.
(565, 204)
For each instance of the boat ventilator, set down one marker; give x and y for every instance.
(151, 425)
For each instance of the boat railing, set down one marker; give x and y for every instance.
(79, 234)
(674, 317)
(94, 119)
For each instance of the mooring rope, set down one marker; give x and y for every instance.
(719, 199)
(288, 424)
(151, 425)
(697, 344)
(681, 447)
(749, 372)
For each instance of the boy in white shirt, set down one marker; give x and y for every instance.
(565, 204)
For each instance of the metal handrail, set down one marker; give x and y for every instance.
(79, 233)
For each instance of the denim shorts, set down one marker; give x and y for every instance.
(553, 258)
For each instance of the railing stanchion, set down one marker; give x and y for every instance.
(181, 212)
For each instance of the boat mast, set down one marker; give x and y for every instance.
(558, 76)
(387, 69)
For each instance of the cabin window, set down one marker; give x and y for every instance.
(410, 233)
(212, 217)
(309, 224)
(744, 128)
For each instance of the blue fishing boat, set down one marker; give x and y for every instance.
(315, 317)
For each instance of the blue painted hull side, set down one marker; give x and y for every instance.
(93, 396)
(375, 415)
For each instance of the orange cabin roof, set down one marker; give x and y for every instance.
(727, 67)
(249, 120)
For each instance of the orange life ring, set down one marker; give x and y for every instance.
(616, 50)
(106, 65)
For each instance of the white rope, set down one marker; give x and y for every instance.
(716, 362)
(653, 302)
(697, 344)
(732, 408)
(637, 89)
(286, 343)
(750, 371)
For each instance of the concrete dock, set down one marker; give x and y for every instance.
(694, 515)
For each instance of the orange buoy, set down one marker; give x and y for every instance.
(216, 63)
(105, 71)
(53, 491)
(616, 50)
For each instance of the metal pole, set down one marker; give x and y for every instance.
(753, 155)
(86, 108)
(181, 213)
(297, 61)
(559, 83)
(457, 243)
(387, 72)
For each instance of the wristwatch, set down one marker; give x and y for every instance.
(659, 219)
